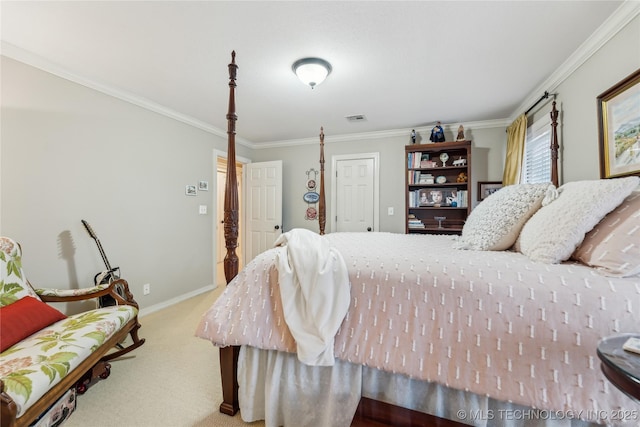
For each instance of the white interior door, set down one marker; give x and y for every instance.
(355, 189)
(263, 206)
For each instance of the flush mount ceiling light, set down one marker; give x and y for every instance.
(311, 71)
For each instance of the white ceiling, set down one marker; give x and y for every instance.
(402, 64)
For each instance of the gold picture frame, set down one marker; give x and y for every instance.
(619, 128)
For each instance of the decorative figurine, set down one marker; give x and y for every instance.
(437, 133)
(444, 157)
(460, 162)
(460, 136)
(462, 177)
(413, 136)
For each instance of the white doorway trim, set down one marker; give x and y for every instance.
(376, 186)
(214, 207)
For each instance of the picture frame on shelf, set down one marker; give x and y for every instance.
(487, 188)
(437, 197)
(619, 128)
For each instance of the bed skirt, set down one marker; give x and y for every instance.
(276, 388)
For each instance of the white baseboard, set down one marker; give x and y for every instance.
(157, 307)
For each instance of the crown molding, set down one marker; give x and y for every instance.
(624, 14)
(21, 55)
(353, 137)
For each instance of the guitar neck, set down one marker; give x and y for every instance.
(94, 236)
(103, 255)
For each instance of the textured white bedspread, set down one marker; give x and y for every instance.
(493, 323)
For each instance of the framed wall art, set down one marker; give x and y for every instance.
(619, 128)
(487, 188)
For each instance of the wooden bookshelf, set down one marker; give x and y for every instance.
(438, 199)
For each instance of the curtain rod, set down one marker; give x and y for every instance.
(542, 98)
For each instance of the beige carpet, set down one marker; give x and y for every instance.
(173, 380)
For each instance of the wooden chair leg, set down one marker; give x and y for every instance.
(137, 342)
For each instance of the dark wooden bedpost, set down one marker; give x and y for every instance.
(229, 355)
(322, 215)
(554, 145)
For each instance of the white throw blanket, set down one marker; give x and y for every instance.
(315, 293)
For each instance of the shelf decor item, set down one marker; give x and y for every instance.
(444, 157)
(619, 128)
(437, 133)
(440, 219)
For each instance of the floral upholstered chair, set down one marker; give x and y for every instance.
(44, 353)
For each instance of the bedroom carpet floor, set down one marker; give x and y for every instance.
(173, 380)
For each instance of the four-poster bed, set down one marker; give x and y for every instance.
(471, 336)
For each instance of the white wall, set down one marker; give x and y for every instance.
(72, 153)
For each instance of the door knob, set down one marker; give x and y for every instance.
(277, 227)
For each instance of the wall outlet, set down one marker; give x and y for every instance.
(390, 210)
(146, 288)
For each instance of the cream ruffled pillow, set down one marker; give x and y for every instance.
(556, 230)
(495, 223)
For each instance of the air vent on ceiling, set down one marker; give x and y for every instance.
(356, 118)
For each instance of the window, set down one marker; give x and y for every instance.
(536, 164)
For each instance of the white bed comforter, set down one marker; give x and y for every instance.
(493, 323)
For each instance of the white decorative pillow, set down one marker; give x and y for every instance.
(613, 246)
(556, 230)
(495, 223)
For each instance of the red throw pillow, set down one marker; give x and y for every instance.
(23, 318)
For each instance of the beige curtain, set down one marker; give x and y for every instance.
(516, 134)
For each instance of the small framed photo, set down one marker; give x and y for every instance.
(190, 190)
(203, 185)
(437, 197)
(487, 188)
(619, 128)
